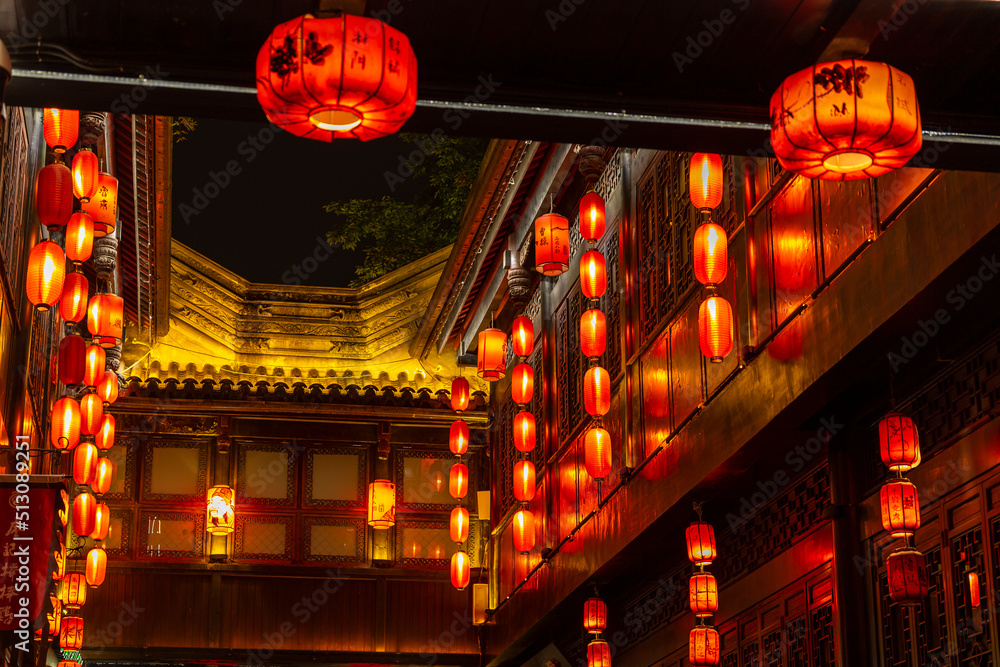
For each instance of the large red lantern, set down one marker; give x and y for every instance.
(54, 195)
(71, 634)
(715, 328)
(84, 174)
(524, 531)
(491, 357)
(73, 590)
(61, 128)
(97, 566)
(522, 384)
(845, 120)
(524, 480)
(597, 392)
(551, 244)
(91, 414)
(711, 254)
(597, 452)
(103, 476)
(595, 616)
(700, 538)
(84, 463)
(458, 526)
(703, 646)
(382, 504)
(102, 522)
(703, 594)
(64, 426)
(84, 513)
(337, 78)
(107, 388)
(460, 570)
(523, 336)
(524, 431)
(95, 360)
(103, 205)
(705, 181)
(592, 217)
(593, 333)
(79, 238)
(71, 359)
(598, 654)
(899, 442)
(459, 394)
(46, 273)
(593, 274)
(458, 437)
(900, 507)
(105, 316)
(906, 572)
(105, 438)
(73, 302)
(458, 481)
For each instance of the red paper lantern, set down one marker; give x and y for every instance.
(524, 480)
(593, 333)
(95, 359)
(715, 328)
(459, 394)
(703, 646)
(73, 302)
(103, 476)
(597, 392)
(97, 566)
(598, 654)
(71, 359)
(595, 616)
(592, 217)
(46, 273)
(103, 205)
(84, 174)
(54, 195)
(79, 237)
(900, 508)
(61, 127)
(491, 357)
(459, 525)
(700, 543)
(105, 317)
(107, 388)
(845, 119)
(105, 438)
(102, 522)
(84, 513)
(84, 463)
(458, 437)
(906, 572)
(523, 336)
(522, 384)
(460, 570)
(382, 504)
(337, 78)
(91, 414)
(458, 481)
(593, 274)
(705, 181)
(64, 426)
(703, 593)
(899, 442)
(524, 431)
(974, 594)
(711, 254)
(55, 620)
(597, 452)
(67, 663)
(551, 244)
(524, 531)
(71, 633)
(73, 590)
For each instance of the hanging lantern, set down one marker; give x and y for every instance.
(906, 572)
(524, 480)
(337, 78)
(79, 238)
(103, 476)
(381, 504)
(61, 127)
(95, 360)
(700, 543)
(595, 616)
(460, 570)
(598, 654)
(54, 195)
(705, 181)
(597, 392)
(491, 356)
(899, 442)
(55, 617)
(91, 414)
(592, 217)
(458, 481)
(71, 359)
(84, 463)
(711, 254)
(222, 510)
(524, 431)
(67, 663)
(703, 592)
(102, 522)
(103, 205)
(84, 513)
(73, 302)
(46, 273)
(593, 333)
(59, 556)
(593, 274)
(522, 384)
(84, 174)
(524, 531)
(458, 437)
(597, 452)
(107, 388)
(97, 566)
(523, 336)
(459, 525)
(703, 646)
(900, 508)
(73, 590)
(715, 328)
(975, 599)
(104, 319)
(105, 438)
(64, 425)
(845, 120)
(551, 244)
(459, 394)
(71, 634)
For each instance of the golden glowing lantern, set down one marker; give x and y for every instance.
(103, 205)
(899, 442)
(551, 244)
(458, 437)
(107, 388)
(103, 476)
(459, 394)
(79, 237)
(524, 531)
(71, 633)
(593, 333)
(906, 573)
(524, 480)
(61, 127)
(700, 537)
(703, 594)
(523, 336)
(221, 510)
(95, 360)
(59, 556)
(71, 359)
(84, 463)
(458, 526)
(73, 590)
(703, 646)
(592, 217)
(105, 316)
(711, 254)
(84, 513)
(458, 481)
(593, 274)
(705, 181)
(595, 616)
(598, 654)
(73, 302)
(715, 328)
(54, 195)
(597, 452)
(491, 357)
(102, 522)
(105, 438)
(845, 119)
(46, 273)
(91, 414)
(337, 78)
(97, 566)
(522, 384)
(900, 507)
(597, 392)
(381, 504)
(84, 174)
(524, 431)
(64, 425)
(460, 570)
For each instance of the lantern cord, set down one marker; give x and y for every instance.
(697, 505)
(892, 393)
(551, 205)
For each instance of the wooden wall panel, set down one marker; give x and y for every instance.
(429, 618)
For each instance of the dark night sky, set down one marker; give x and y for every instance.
(270, 214)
